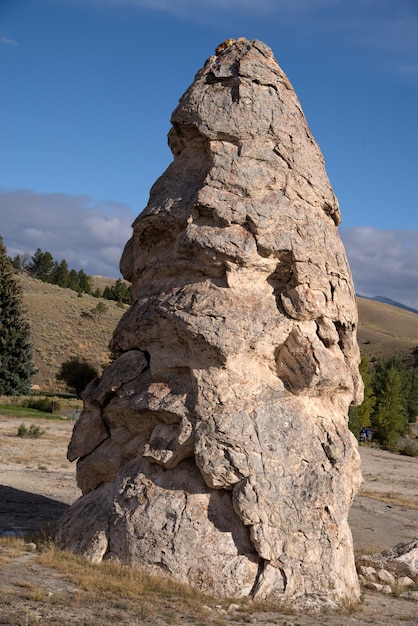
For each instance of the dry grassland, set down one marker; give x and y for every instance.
(386, 330)
(62, 326)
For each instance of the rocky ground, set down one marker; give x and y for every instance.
(37, 483)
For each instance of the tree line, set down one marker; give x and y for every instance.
(16, 352)
(43, 266)
(390, 399)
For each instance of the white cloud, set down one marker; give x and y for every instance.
(103, 228)
(88, 235)
(7, 41)
(384, 262)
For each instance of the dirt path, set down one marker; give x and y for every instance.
(37, 483)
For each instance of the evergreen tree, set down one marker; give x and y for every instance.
(17, 263)
(411, 394)
(60, 274)
(389, 420)
(84, 282)
(361, 416)
(41, 265)
(16, 366)
(415, 356)
(99, 310)
(120, 292)
(73, 280)
(20, 262)
(123, 292)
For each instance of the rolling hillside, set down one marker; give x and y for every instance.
(62, 325)
(386, 330)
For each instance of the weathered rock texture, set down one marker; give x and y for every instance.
(215, 448)
(391, 570)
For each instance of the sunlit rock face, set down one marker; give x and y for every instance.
(215, 448)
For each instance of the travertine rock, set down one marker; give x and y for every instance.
(401, 560)
(215, 448)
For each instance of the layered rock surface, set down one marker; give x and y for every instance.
(215, 448)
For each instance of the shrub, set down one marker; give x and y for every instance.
(77, 373)
(22, 431)
(34, 432)
(47, 405)
(408, 448)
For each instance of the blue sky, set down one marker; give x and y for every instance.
(88, 88)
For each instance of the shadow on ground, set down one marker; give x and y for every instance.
(23, 512)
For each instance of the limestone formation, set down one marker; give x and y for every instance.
(390, 571)
(215, 447)
(401, 561)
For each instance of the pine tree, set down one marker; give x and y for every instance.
(73, 280)
(120, 292)
(17, 263)
(60, 274)
(360, 416)
(389, 420)
(84, 282)
(41, 265)
(99, 310)
(16, 366)
(411, 394)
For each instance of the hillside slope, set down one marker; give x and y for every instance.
(62, 326)
(386, 330)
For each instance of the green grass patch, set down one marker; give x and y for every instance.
(23, 411)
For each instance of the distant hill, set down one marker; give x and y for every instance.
(62, 326)
(385, 329)
(389, 301)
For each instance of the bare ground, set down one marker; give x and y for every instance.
(37, 483)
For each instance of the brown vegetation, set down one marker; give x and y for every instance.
(63, 325)
(386, 330)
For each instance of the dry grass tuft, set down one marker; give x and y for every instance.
(13, 542)
(111, 592)
(117, 581)
(390, 497)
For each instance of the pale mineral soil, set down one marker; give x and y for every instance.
(37, 483)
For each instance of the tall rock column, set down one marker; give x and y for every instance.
(215, 448)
